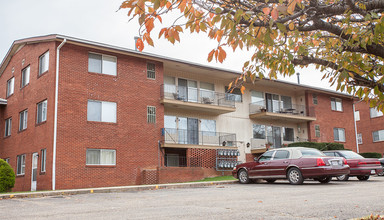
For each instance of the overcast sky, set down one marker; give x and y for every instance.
(99, 20)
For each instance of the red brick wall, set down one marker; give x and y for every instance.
(328, 119)
(133, 92)
(366, 125)
(35, 137)
(249, 157)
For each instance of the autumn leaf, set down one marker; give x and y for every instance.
(210, 55)
(266, 11)
(139, 44)
(275, 14)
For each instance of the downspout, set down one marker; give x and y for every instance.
(55, 115)
(354, 119)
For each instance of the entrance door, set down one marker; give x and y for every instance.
(183, 130)
(272, 102)
(193, 131)
(192, 91)
(276, 137)
(34, 171)
(183, 89)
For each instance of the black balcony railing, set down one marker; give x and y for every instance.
(184, 136)
(275, 106)
(194, 95)
(274, 142)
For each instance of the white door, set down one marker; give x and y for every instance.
(34, 171)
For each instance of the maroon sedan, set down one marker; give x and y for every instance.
(361, 167)
(292, 163)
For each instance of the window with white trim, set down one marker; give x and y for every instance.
(41, 112)
(151, 114)
(336, 104)
(44, 63)
(208, 127)
(360, 138)
(258, 131)
(314, 99)
(151, 71)
(20, 170)
(23, 120)
(375, 113)
(8, 127)
(101, 157)
(378, 135)
(100, 63)
(357, 115)
(25, 76)
(10, 86)
(317, 130)
(43, 156)
(101, 111)
(339, 134)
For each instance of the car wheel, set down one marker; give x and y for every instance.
(295, 177)
(243, 176)
(342, 178)
(363, 178)
(270, 180)
(381, 173)
(324, 179)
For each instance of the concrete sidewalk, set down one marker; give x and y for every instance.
(113, 189)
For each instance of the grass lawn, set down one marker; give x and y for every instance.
(218, 178)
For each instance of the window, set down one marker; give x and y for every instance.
(6, 160)
(169, 85)
(104, 64)
(235, 95)
(43, 156)
(20, 164)
(151, 114)
(257, 97)
(208, 127)
(10, 86)
(25, 76)
(317, 130)
(281, 154)
(288, 134)
(151, 71)
(8, 127)
(266, 156)
(43, 63)
(23, 120)
(357, 115)
(207, 92)
(101, 111)
(336, 104)
(287, 102)
(378, 135)
(339, 134)
(101, 157)
(360, 138)
(41, 112)
(375, 113)
(314, 99)
(258, 131)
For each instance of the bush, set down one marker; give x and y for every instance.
(371, 155)
(7, 177)
(319, 146)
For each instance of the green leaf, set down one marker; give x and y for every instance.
(281, 27)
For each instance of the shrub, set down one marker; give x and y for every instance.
(7, 177)
(319, 146)
(371, 155)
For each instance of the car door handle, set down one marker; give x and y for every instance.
(285, 161)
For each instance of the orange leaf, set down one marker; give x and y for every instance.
(210, 55)
(149, 24)
(275, 14)
(162, 31)
(139, 44)
(159, 18)
(242, 89)
(168, 5)
(222, 55)
(266, 11)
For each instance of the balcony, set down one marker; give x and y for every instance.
(193, 99)
(276, 110)
(180, 138)
(271, 142)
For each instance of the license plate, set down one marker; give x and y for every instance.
(334, 162)
(373, 171)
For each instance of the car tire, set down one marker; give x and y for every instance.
(380, 173)
(324, 179)
(243, 176)
(270, 180)
(342, 178)
(294, 176)
(363, 178)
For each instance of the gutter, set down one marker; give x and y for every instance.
(55, 115)
(354, 120)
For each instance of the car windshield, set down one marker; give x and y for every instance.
(351, 155)
(311, 152)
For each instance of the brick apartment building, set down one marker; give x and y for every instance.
(370, 128)
(83, 114)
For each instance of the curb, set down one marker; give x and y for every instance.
(113, 189)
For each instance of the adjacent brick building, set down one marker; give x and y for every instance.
(84, 114)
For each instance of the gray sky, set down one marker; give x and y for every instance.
(99, 20)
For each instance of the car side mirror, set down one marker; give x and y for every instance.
(256, 159)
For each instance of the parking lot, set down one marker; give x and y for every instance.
(336, 200)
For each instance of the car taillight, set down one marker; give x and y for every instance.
(362, 163)
(320, 162)
(377, 162)
(345, 161)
